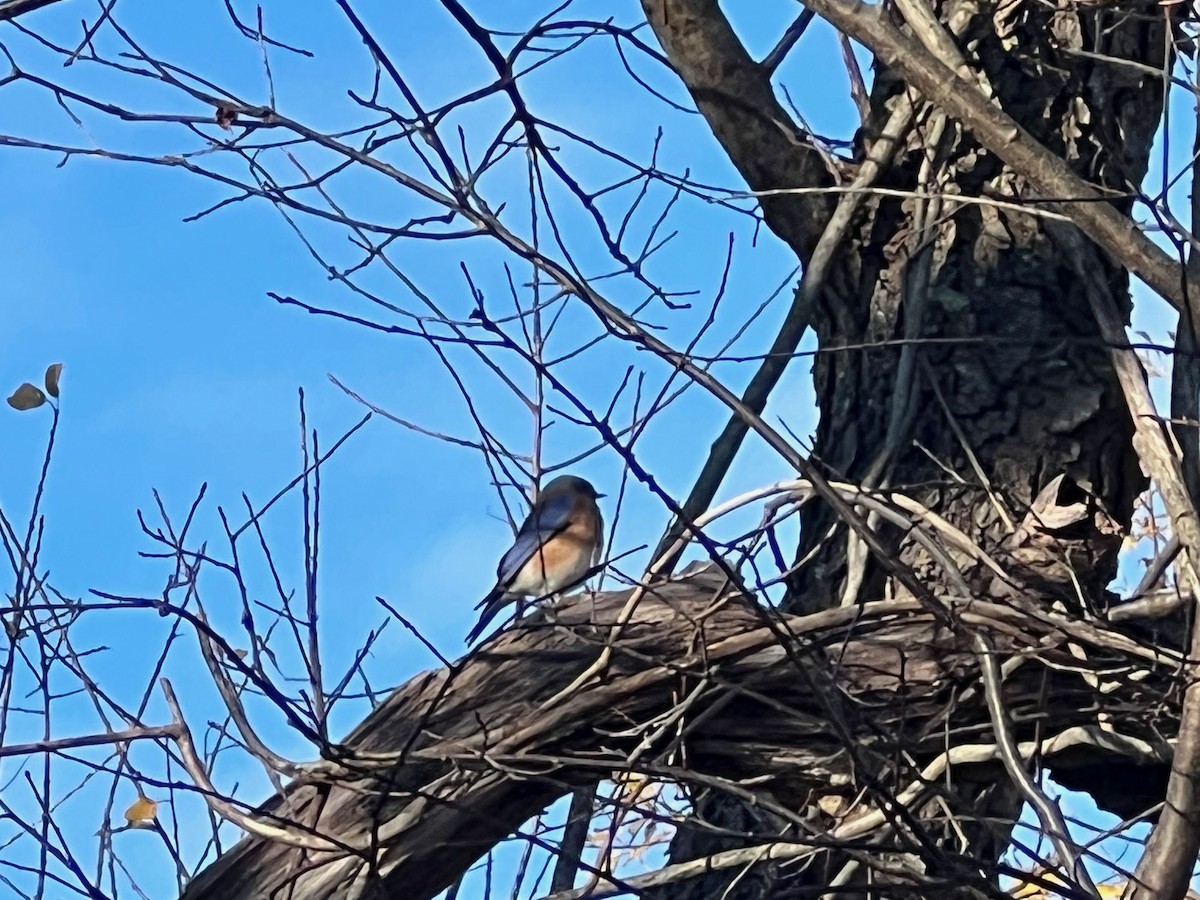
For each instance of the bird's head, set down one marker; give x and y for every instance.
(570, 484)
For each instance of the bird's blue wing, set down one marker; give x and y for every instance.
(543, 523)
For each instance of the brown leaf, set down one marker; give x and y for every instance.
(142, 813)
(53, 374)
(226, 116)
(26, 397)
(832, 804)
(1047, 514)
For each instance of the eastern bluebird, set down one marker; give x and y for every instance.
(558, 543)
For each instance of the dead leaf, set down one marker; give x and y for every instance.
(53, 374)
(142, 813)
(226, 116)
(1046, 514)
(1030, 890)
(832, 804)
(26, 397)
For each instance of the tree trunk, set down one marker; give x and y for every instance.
(984, 390)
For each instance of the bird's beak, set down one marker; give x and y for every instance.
(599, 496)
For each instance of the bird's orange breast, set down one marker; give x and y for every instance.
(561, 561)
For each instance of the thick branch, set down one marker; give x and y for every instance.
(456, 760)
(10, 9)
(735, 96)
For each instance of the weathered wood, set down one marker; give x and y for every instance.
(456, 760)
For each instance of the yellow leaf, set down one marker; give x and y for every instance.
(832, 804)
(1028, 890)
(142, 813)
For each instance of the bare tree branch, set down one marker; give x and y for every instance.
(10, 9)
(736, 98)
(474, 763)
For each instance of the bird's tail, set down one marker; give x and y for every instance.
(491, 604)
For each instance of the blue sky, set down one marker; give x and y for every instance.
(180, 370)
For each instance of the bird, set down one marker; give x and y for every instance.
(556, 546)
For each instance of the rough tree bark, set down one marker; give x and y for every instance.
(456, 760)
(1014, 389)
